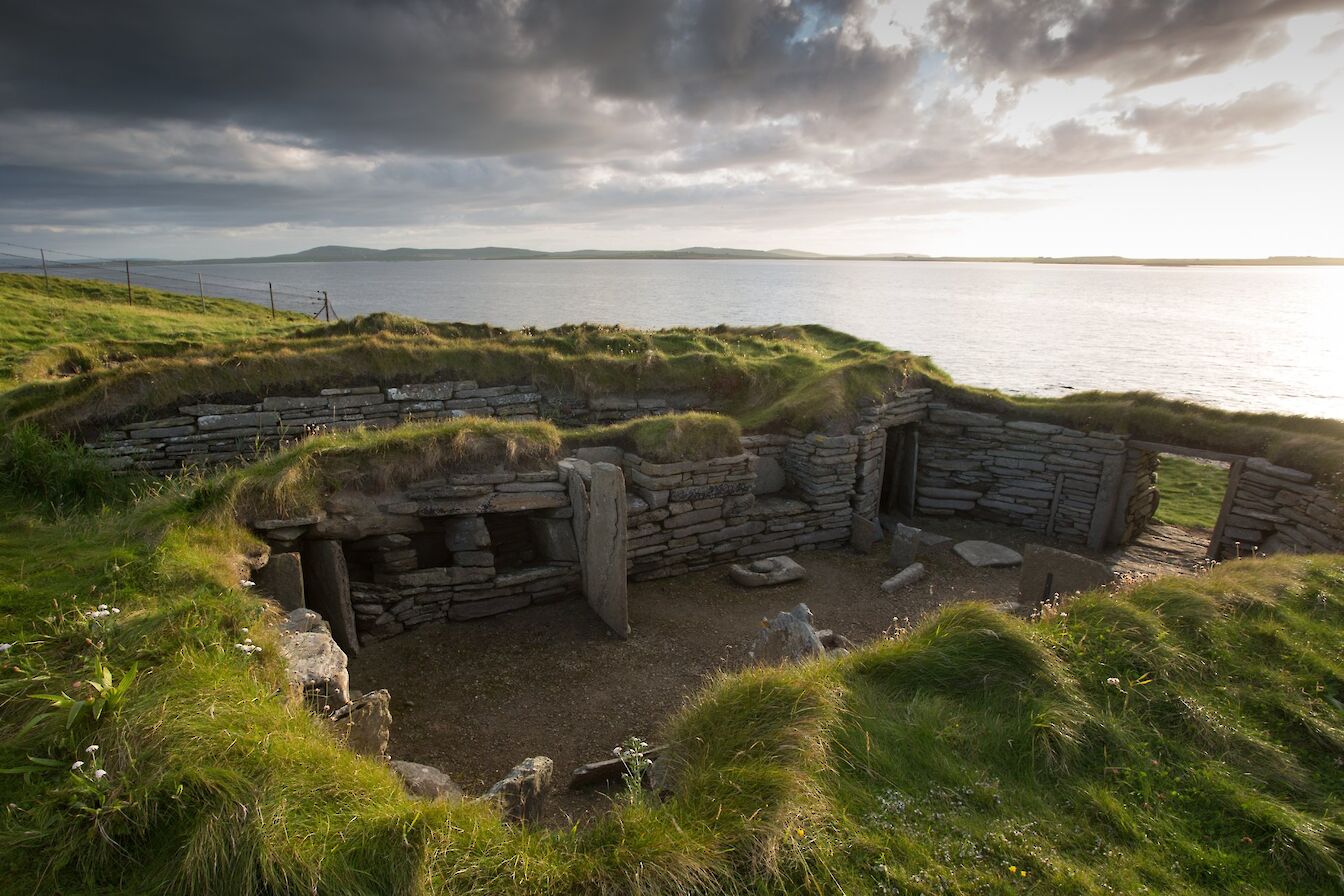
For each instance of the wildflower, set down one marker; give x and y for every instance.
(244, 631)
(1023, 873)
(248, 583)
(91, 749)
(4, 648)
(77, 765)
(1012, 869)
(100, 774)
(1113, 682)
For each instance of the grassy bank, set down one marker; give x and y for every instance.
(1184, 737)
(1191, 492)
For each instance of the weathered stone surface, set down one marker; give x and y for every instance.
(304, 620)
(426, 781)
(864, 534)
(789, 637)
(604, 548)
(607, 454)
(521, 794)
(1047, 571)
(1260, 465)
(905, 578)
(366, 724)
(327, 590)
(905, 545)
(281, 579)
(316, 666)
(987, 553)
(555, 538)
(466, 534)
(767, 571)
(770, 476)
(603, 770)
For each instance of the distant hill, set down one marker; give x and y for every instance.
(710, 253)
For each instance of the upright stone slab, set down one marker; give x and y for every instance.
(770, 476)
(864, 534)
(1047, 571)
(604, 548)
(904, 545)
(327, 590)
(281, 579)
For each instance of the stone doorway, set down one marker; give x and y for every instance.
(900, 465)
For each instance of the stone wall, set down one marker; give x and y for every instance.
(909, 407)
(1041, 477)
(1139, 483)
(425, 553)
(208, 434)
(573, 410)
(1278, 509)
(695, 514)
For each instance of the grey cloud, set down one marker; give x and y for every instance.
(1131, 43)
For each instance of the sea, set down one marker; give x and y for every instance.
(1244, 338)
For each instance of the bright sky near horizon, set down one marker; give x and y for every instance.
(951, 127)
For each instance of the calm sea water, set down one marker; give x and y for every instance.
(1266, 338)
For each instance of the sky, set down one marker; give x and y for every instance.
(1148, 128)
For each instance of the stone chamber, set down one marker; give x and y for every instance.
(464, 545)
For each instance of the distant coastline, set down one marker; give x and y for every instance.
(328, 254)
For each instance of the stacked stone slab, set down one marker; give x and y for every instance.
(576, 410)
(377, 530)
(211, 434)
(1279, 509)
(694, 514)
(1041, 477)
(1139, 482)
(910, 406)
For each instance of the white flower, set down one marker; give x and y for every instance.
(102, 606)
(91, 749)
(4, 648)
(77, 765)
(1113, 682)
(244, 631)
(100, 774)
(115, 610)
(248, 583)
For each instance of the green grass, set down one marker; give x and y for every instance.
(87, 325)
(766, 378)
(1191, 492)
(932, 763)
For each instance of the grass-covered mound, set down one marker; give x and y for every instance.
(1185, 737)
(86, 325)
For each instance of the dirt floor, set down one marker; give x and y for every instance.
(474, 698)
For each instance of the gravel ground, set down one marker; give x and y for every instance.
(474, 698)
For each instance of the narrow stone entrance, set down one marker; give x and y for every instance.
(900, 465)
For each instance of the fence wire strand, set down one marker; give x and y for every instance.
(165, 276)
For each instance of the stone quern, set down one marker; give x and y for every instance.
(768, 571)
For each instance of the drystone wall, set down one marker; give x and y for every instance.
(909, 407)
(1140, 484)
(1041, 477)
(573, 410)
(459, 547)
(789, 493)
(1278, 509)
(208, 434)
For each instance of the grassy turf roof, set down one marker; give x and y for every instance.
(766, 378)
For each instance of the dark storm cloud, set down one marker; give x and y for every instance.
(1128, 42)
(422, 112)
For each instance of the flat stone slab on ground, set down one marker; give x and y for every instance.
(768, 571)
(987, 553)
(426, 781)
(1048, 571)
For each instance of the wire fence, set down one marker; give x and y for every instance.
(164, 276)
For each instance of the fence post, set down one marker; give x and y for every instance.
(326, 305)
(201, 286)
(45, 279)
(270, 288)
(130, 297)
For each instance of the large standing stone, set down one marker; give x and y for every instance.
(987, 553)
(768, 571)
(521, 794)
(604, 548)
(1048, 571)
(281, 579)
(367, 724)
(327, 590)
(315, 665)
(770, 476)
(864, 533)
(904, 545)
(425, 781)
(788, 638)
